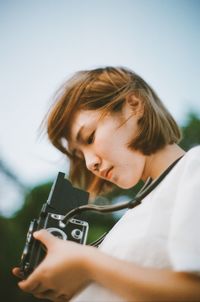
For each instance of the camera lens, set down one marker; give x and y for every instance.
(77, 234)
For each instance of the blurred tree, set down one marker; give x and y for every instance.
(4, 169)
(11, 188)
(32, 205)
(11, 243)
(191, 131)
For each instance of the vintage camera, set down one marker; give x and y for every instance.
(62, 199)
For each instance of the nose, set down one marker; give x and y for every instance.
(92, 161)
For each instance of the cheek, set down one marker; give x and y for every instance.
(131, 168)
(105, 145)
(103, 149)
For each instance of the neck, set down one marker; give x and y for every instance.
(158, 162)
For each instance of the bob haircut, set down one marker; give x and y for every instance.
(106, 89)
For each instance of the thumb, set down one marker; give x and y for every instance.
(44, 237)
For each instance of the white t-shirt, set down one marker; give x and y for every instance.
(162, 232)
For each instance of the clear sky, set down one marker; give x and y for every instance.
(44, 41)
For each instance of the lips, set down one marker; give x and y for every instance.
(109, 173)
(106, 173)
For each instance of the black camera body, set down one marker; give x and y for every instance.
(63, 198)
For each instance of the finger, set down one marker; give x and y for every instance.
(51, 295)
(45, 237)
(32, 283)
(47, 294)
(62, 298)
(16, 271)
(30, 287)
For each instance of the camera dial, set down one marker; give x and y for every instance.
(57, 233)
(77, 234)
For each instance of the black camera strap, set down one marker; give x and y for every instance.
(148, 187)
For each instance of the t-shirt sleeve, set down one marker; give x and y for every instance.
(184, 235)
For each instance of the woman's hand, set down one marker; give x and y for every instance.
(62, 273)
(68, 267)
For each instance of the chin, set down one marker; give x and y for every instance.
(127, 185)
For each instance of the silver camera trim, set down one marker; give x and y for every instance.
(51, 230)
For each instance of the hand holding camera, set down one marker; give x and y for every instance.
(62, 273)
(62, 199)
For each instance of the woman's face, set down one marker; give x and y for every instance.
(103, 144)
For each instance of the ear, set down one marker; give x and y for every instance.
(135, 104)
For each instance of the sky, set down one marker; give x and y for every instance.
(43, 42)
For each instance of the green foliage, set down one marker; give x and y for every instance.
(191, 132)
(98, 224)
(13, 235)
(11, 247)
(32, 205)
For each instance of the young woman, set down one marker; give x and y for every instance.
(116, 131)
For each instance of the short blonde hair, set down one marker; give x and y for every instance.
(106, 89)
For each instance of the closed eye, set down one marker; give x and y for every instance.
(90, 138)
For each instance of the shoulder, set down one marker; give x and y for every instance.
(191, 160)
(189, 173)
(193, 153)
(186, 171)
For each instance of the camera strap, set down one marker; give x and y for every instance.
(148, 187)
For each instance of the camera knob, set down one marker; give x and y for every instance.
(77, 234)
